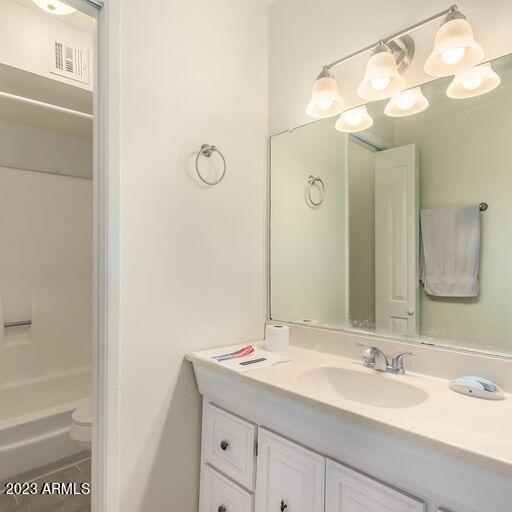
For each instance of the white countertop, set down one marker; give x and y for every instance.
(479, 431)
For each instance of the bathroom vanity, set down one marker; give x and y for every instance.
(323, 433)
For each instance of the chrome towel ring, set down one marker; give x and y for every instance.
(319, 183)
(207, 151)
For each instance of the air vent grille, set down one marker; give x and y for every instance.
(70, 62)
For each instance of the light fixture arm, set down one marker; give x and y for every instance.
(390, 38)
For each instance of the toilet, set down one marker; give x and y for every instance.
(81, 426)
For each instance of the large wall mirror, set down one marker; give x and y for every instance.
(404, 229)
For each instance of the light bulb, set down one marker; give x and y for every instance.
(472, 82)
(453, 55)
(405, 101)
(325, 105)
(354, 118)
(380, 82)
(325, 97)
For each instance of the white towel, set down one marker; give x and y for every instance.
(451, 249)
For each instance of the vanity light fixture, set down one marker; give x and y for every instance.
(326, 100)
(382, 78)
(55, 7)
(406, 103)
(473, 82)
(455, 48)
(354, 120)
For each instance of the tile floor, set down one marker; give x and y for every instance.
(74, 469)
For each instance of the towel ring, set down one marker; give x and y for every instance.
(319, 182)
(207, 151)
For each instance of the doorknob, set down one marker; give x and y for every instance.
(410, 311)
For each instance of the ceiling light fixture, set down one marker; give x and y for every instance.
(326, 100)
(382, 78)
(473, 82)
(55, 7)
(406, 103)
(354, 120)
(455, 48)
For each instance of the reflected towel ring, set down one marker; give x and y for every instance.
(207, 151)
(312, 181)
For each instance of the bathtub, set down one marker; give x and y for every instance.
(35, 419)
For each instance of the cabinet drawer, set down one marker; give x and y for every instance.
(291, 478)
(349, 491)
(219, 494)
(229, 444)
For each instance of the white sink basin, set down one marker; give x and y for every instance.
(377, 389)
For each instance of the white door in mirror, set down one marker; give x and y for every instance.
(477, 387)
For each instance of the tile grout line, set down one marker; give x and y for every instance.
(80, 470)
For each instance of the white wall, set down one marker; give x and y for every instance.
(192, 258)
(31, 148)
(45, 274)
(306, 34)
(308, 263)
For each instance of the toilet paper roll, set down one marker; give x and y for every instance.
(277, 338)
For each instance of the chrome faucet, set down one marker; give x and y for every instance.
(373, 357)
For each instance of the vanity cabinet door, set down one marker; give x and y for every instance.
(349, 491)
(290, 478)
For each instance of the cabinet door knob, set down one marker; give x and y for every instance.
(224, 445)
(283, 506)
(222, 508)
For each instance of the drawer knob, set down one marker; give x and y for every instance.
(283, 506)
(222, 508)
(224, 445)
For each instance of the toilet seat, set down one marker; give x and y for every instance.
(81, 426)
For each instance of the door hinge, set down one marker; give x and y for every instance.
(256, 448)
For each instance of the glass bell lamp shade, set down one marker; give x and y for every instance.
(406, 103)
(326, 100)
(455, 48)
(354, 120)
(55, 7)
(381, 79)
(473, 82)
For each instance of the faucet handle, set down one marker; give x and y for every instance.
(397, 363)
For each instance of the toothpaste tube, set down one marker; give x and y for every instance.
(246, 351)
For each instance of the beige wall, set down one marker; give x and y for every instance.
(308, 245)
(361, 172)
(192, 258)
(306, 34)
(465, 158)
